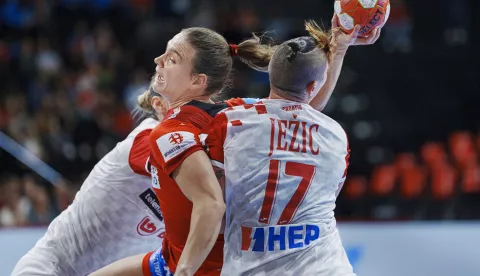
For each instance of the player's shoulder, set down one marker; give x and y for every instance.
(245, 110)
(328, 123)
(196, 108)
(192, 117)
(198, 114)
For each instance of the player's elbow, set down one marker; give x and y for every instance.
(213, 206)
(218, 207)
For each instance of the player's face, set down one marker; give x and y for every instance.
(173, 78)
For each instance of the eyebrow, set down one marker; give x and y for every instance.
(178, 53)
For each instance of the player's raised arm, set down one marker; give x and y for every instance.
(198, 182)
(338, 44)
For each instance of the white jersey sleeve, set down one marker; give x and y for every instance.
(114, 215)
(284, 163)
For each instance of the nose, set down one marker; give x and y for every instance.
(159, 61)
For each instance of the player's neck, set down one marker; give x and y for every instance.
(274, 95)
(185, 100)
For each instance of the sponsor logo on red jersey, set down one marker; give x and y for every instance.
(173, 144)
(176, 139)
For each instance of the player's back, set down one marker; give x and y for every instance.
(284, 165)
(114, 215)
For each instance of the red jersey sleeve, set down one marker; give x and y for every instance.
(140, 153)
(215, 140)
(172, 142)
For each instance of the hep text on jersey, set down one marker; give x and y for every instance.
(278, 237)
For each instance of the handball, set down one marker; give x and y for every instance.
(366, 13)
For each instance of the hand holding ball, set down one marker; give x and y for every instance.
(366, 13)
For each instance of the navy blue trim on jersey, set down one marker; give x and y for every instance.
(210, 109)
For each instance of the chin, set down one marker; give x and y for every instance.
(158, 88)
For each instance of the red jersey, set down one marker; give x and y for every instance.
(171, 142)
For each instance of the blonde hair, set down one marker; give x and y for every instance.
(322, 37)
(144, 107)
(144, 102)
(255, 54)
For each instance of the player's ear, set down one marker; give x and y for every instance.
(160, 106)
(200, 80)
(311, 88)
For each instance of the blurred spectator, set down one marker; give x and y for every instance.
(64, 195)
(48, 62)
(16, 207)
(41, 211)
(138, 84)
(26, 60)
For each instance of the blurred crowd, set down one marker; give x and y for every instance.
(440, 181)
(25, 201)
(71, 71)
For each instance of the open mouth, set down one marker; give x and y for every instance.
(160, 79)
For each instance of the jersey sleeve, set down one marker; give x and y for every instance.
(172, 142)
(215, 139)
(140, 153)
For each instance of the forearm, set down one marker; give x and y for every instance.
(204, 229)
(333, 73)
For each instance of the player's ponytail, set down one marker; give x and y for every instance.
(322, 37)
(255, 54)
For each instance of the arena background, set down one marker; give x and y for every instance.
(71, 70)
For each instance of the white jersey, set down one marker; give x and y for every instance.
(114, 215)
(284, 165)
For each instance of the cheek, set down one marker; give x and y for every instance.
(171, 76)
(181, 78)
